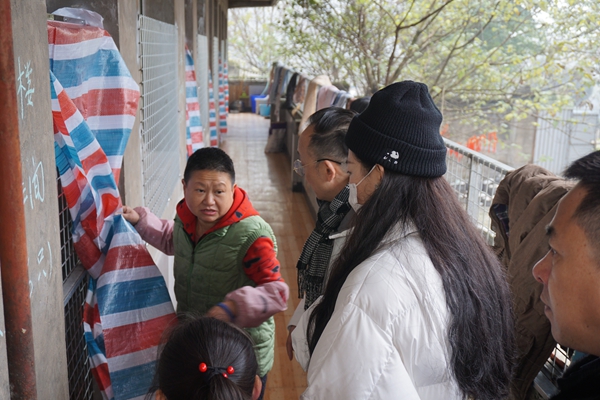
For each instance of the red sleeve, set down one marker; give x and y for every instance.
(260, 263)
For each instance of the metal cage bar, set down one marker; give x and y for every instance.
(475, 177)
(158, 55)
(74, 291)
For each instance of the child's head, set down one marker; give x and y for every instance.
(209, 185)
(198, 353)
(209, 159)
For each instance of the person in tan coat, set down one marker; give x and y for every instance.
(524, 204)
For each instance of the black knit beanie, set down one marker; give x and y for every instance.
(400, 130)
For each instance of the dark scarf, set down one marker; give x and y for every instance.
(317, 250)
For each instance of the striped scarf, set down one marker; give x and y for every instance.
(314, 260)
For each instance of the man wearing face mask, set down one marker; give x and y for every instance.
(323, 154)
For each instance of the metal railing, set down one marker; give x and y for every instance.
(545, 382)
(158, 55)
(475, 178)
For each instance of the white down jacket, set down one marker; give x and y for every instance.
(387, 337)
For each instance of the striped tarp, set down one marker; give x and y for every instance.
(226, 80)
(193, 124)
(222, 112)
(212, 113)
(127, 305)
(99, 84)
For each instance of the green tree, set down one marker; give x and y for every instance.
(254, 40)
(489, 64)
(503, 56)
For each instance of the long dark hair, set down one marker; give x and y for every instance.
(216, 343)
(480, 334)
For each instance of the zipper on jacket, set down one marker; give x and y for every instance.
(190, 269)
(192, 263)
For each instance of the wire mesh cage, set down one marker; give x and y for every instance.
(74, 291)
(80, 375)
(158, 56)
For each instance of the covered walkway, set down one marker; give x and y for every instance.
(267, 179)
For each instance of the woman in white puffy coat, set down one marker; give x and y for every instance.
(416, 306)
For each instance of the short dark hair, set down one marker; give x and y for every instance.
(209, 159)
(213, 342)
(359, 105)
(329, 138)
(587, 171)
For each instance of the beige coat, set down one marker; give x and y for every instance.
(310, 101)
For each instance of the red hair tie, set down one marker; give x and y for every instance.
(212, 371)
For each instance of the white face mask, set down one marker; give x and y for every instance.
(353, 195)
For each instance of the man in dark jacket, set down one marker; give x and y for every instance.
(570, 275)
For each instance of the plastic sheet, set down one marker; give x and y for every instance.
(193, 124)
(127, 305)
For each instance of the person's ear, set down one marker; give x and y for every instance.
(183, 183)
(159, 395)
(257, 388)
(379, 172)
(330, 170)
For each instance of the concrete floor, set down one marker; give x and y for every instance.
(267, 179)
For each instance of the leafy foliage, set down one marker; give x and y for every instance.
(488, 63)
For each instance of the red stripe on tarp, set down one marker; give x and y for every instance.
(190, 76)
(127, 257)
(65, 33)
(117, 175)
(193, 106)
(72, 192)
(99, 102)
(146, 333)
(67, 108)
(90, 314)
(102, 376)
(96, 158)
(59, 123)
(110, 204)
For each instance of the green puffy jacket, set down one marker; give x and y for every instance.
(207, 272)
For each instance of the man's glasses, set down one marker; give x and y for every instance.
(299, 167)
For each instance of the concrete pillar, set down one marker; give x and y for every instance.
(40, 197)
(131, 174)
